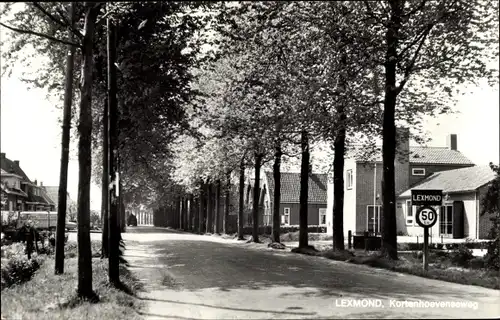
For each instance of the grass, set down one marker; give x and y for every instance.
(49, 296)
(440, 267)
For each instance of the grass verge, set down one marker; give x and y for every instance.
(49, 296)
(409, 264)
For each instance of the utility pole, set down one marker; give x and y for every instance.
(105, 182)
(114, 241)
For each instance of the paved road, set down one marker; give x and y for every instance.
(200, 277)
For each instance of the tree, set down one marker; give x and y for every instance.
(491, 206)
(63, 177)
(84, 157)
(113, 220)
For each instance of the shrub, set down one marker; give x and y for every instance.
(462, 255)
(285, 229)
(415, 246)
(18, 269)
(477, 263)
(492, 257)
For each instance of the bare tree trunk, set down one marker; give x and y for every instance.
(85, 160)
(178, 212)
(241, 200)
(201, 209)
(114, 228)
(227, 202)
(121, 203)
(217, 207)
(210, 222)
(277, 192)
(338, 182)
(105, 183)
(389, 228)
(304, 190)
(256, 196)
(66, 129)
(191, 212)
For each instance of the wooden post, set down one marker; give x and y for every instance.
(349, 239)
(426, 249)
(365, 237)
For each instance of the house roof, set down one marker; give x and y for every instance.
(10, 167)
(456, 181)
(425, 155)
(45, 196)
(53, 193)
(36, 199)
(290, 187)
(7, 174)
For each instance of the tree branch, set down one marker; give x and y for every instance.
(41, 35)
(410, 66)
(59, 22)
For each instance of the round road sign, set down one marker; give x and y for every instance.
(426, 217)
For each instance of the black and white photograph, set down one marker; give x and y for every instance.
(250, 160)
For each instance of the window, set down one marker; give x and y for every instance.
(418, 171)
(373, 218)
(446, 220)
(410, 212)
(267, 214)
(285, 218)
(322, 217)
(349, 179)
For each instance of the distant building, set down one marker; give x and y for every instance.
(13, 174)
(460, 215)
(53, 194)
(290, 198)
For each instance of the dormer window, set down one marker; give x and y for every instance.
(418, 172)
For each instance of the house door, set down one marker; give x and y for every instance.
(446, 221)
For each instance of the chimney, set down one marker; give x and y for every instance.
(452, 142)
(3, 155)
(402, 160)
(36, 182)
(41, 183)
(16, 162)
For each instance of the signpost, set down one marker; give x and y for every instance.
(426, 215)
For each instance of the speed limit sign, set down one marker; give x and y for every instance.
(426, 217)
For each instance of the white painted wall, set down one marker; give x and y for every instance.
(349, 201)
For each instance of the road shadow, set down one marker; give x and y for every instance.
(297, 313)
(200, 265)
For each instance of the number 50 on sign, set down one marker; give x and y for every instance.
(426, 217)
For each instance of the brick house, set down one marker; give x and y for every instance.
(35, 200)
(363, 179)
(13, 198)
(290, 195)
(460, 215)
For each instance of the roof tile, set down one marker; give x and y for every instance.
(425, 155)
(458, 180)
(290, 187)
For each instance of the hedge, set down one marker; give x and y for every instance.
(285, 229)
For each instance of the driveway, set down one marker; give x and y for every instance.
(201, 277)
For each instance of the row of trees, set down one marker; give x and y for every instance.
(292, 73)
(153, 47)
(199, 92)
